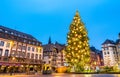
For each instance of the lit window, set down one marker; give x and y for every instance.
(12, 53)
(36, 49)
(8, 45)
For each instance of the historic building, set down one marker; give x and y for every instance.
(111, 52)
(96, 58)
(19, 50)
(53, 54)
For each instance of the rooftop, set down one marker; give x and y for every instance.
(107, 41)
(17, 33)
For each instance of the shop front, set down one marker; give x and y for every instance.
(19, 67)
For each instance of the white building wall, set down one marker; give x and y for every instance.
(118, 51)
(110, 57)
(46, 59)
(13, 46)
(4, 47)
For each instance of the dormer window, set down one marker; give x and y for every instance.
(12, 33)
(15, 34)
(29, 42)
(19, 35)
(25, 36)
(34, 39)
(25, 40)
(33, 42)
(6, 31)
(1, 30)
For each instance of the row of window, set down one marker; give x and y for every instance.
(6, 52)
(34, 55)
(21, 54)
(29, 48)
(28, 41)
(2, 44)
(16, 34)
(108, 52)
(112, 48)
(109, 48)
(19, 46)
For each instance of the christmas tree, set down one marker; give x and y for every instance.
(77, 50)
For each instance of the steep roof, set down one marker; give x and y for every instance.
(48, 47)
(59, 46)
(51, 47)
(107, 41)
(94, 49)
(16, 33)
(117, 41)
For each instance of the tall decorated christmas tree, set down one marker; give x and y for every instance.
(77, 50)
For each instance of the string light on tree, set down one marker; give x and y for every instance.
(77, 49)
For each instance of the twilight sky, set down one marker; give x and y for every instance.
(44, 18)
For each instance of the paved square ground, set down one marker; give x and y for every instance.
(65, 75)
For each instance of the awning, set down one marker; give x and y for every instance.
(9, 64)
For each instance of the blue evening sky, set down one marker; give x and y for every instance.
(44, 18)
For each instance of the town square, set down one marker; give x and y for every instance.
(57, 38)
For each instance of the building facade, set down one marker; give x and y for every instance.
(111, 52)
(96, 59)
(53, 54)
(19, 50)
